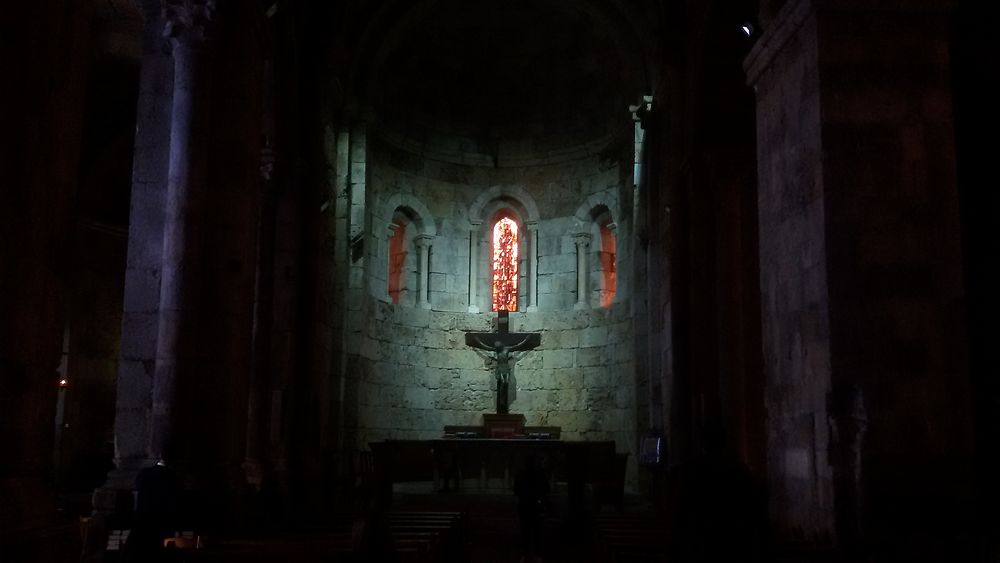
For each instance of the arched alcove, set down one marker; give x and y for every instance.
(491, 206)
(597, 224)
(604, 251)
(504, 272)
(404, 256)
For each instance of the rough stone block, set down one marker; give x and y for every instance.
(529, 360)
(139, 335)
(546, 283)
(594, 336)
(135, 382)
(554, 359)
(418, 398)
(596, 378)
(559, 263)
(591, 357)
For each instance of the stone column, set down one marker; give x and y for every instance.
(188, 26)
(473, 265)
(140, 308)
(424, 246)
(582, 241)
(263, 323)
(856, 143)
(532, 228)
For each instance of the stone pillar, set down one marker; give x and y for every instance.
(423, 243)
(473, 266)
(532, 228)
(582, 241)
(188, 26)
(855, 133)
(263, 324)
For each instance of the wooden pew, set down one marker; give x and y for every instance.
(336, 542)
(623, 539)
(334, 549)
(428, 536)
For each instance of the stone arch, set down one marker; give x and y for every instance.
(422, 216)
(598, 267)
(408, 230)
(585, 212)
(517, 197)
(491, 205)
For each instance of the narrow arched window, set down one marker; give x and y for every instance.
(607, 264)
(397, 262)
(505, 242)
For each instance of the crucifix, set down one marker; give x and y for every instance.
(503, 344)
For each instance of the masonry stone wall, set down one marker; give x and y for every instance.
(413, 373)
(441, 195)
(794, 299)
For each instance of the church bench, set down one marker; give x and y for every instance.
(428, 544)
(626, 546)
(333, 546)
(453, 519)
(445, 531)
(576, 463)
(269, 551)
(630, 539)
(441, 538)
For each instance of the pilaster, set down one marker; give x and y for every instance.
(582, 241)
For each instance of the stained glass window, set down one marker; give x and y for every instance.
(397, 263)
(505, 265)
(607, 265)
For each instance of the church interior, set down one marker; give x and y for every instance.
(727, 262)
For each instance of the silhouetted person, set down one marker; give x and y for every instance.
(531, 485)
(717, 513)
(156, 511)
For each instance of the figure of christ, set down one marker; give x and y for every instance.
(504, 358)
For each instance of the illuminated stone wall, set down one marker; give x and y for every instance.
(414, 374)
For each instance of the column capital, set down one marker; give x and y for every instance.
(531, 225)
(391, 230)
(267, 161)
(423, 240)
(641, 110)
(582, 239)
(189, 22)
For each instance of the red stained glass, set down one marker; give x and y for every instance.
(505, 265)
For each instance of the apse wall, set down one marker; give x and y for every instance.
(414, 373)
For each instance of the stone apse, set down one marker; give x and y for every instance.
(420, 274)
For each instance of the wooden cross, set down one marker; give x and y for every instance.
(503, 344)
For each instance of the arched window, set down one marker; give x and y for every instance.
(604, 267)
(607, 265)
(505, 253)
(397, 262)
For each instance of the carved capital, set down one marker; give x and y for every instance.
(189, 21)
(267, 160)
(423, 241)
(641, 110)
(582, 239)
